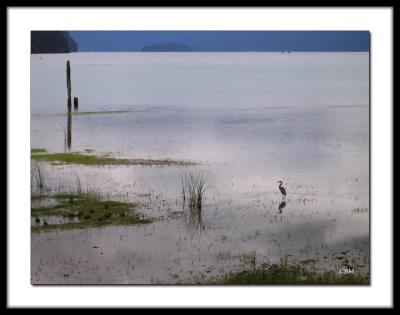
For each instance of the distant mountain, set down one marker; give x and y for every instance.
(109, 41)
(168, 46)
(51, 42)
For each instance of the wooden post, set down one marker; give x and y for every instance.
(69, 85)
(75, 103)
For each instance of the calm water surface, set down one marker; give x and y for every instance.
(249, 119)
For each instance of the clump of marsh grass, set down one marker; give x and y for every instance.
(78, 185)
(283, 263)
(250, 259)
(38, 184)
(194, 185)
(253, 258)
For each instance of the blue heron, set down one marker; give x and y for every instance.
(283, 191)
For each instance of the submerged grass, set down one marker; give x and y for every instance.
(101, 112)
(87, 159)
(292, 274)
(87, 211)
(38, 150)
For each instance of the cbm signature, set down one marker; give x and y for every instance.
(346, 271)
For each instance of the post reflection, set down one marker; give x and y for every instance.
(69, 130)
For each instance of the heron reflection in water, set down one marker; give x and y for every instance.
(281, 206)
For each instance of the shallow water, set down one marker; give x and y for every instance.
(249, 119)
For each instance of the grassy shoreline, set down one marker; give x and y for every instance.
(85, 211)
(38, 150)
(291, 275)
(88, 159)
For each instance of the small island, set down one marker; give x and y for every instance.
(167, 47)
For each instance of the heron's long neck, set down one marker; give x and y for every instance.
(280, 184)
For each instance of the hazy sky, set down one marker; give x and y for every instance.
(225, 40)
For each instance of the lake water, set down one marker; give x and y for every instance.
(247, 119)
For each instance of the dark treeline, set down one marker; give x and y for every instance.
(50, 42)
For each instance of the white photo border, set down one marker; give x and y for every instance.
(20, 293)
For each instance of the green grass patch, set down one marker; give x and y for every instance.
(90, 211)
(87, 159)
(292, 274)
(38, 150)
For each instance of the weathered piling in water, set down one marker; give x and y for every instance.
(75, 103)
(69, 85)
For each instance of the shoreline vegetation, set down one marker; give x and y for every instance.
(291, 274)
(98, 112)
(38, 150)
(89, 159)
(77, 211)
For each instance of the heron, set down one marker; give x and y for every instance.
(283, 190)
